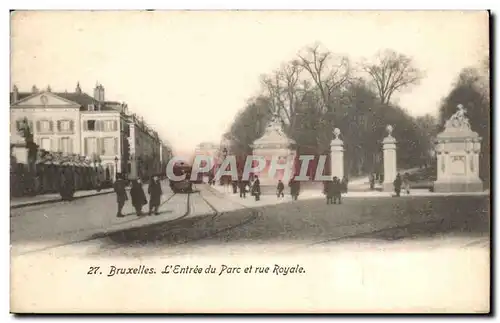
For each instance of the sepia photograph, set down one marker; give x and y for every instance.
(238, 161)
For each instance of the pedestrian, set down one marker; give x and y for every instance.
(294, 185)
(345, 183)
(243, 188)
(406, 183)
(67, 185)
(155, 192)
(372, 181)
(121, 194)
(338, 188)
(279, 189)
(138, 196)
(397, 185)
(329, 190)
(234, 183)
(256, 188)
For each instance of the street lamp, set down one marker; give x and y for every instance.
(116, 167)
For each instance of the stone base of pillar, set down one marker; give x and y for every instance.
(457, 187)
(388, 187)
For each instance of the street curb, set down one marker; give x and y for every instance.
(55, 200)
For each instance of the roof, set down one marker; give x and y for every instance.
(83, 99)
(20, 96)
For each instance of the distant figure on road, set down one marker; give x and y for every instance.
(155, 192)
(235, 186)
(121, 194)
(256, 188)
(280, 189)
(329, 191)
(243, 188)
(338, 188)
(397, 185)
(138, 196)
(372, 181)
(294, 188)
(345, 183)
(406, 183)
(67, 184)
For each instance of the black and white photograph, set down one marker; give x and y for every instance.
(243, 161)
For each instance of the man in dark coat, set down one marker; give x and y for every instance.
(372, 181)
(234, 184)
(280, 188)
(155, 192)
(121, 195)
(243, 188)
(294, 188)
(397, 185)
(345, 183)
(338, 188)
(256, 188)
(138, 196)
(67, 185)
(329, 190)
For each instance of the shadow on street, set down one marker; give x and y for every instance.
(312, 220)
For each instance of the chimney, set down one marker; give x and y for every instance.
(34, 89)
(78, 89)
(49, 89)
(101, 92)
(15, 93)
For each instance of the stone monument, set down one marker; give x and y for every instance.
(457, 150)
(274, 143)
(390, 161)
(337, 155)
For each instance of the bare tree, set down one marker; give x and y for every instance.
(391, 73)
(283, 89)
(328, 72)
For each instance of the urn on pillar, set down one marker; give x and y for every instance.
(457, 150)
(337, 155)
(390, 161)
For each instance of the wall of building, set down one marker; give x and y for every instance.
(52, 137)
(104, 140)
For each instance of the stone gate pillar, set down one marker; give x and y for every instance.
(337, 155)
(390, 161)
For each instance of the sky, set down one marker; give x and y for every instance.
(188, 73)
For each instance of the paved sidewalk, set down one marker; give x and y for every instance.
(317, 194)
(18, 202)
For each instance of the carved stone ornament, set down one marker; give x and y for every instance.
(458, 120)
(389, 129)
(274, 124)
(336, 133)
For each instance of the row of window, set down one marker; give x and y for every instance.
(64, 145)
(47, 126)
(100, 146)
(100, 125)
(107, 146)
(68, 126)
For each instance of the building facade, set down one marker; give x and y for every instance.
(148, 154)
(77, 123)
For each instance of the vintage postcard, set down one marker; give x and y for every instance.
(250, 162)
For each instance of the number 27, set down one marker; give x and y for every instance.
(93, 270)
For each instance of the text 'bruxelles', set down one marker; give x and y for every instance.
(278, 270)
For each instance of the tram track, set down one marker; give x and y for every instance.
(197, 224)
